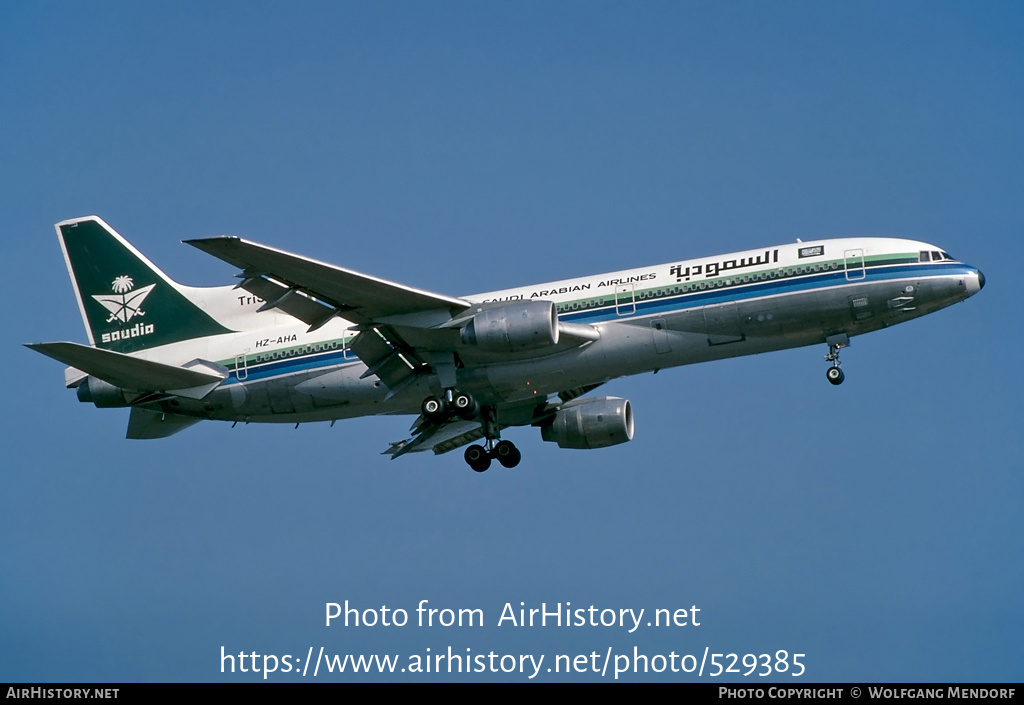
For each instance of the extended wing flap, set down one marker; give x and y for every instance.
(361, 296)
(393, 363)
(457, 432)
(130, 372)
(286, 299)
(439, 439)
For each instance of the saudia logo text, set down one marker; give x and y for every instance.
(124, 305)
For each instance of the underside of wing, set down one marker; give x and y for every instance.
(403, 333)
(440, 439)
(457, 432)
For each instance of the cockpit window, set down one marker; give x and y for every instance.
(924, 257)
(945, 255)
(936, 256)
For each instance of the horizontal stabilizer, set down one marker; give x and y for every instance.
(144, 424)
(134, 373)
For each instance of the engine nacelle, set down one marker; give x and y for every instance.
(591, 423)
(524, 325)
(103, 394)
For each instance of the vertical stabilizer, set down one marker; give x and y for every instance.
(126, 302)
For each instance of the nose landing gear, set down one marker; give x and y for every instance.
(834, 374)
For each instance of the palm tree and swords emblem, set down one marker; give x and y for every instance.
(124, 304)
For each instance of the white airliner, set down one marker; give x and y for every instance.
(298, 340)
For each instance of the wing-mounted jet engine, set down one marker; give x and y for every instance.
(590, 423)
(524, 325)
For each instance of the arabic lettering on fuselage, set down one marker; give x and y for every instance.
(713, 269)
(707, 270)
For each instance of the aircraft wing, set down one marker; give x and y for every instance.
(403, 332)
(315, 291)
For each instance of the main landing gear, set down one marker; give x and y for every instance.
(438, 410)
(505, 452)
(834, 374)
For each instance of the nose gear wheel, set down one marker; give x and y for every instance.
(834, 374)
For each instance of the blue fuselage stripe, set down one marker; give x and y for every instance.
(643, 307)
(742, 292)
(263, 370)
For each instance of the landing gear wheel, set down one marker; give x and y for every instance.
(835, 375)
(465, 406)
(434, 409)
(507, 454)
(477, 458)
(835, 344)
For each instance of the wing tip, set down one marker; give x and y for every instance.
(199, 241)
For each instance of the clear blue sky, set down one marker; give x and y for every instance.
(464, 147)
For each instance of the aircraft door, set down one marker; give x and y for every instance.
(662, 344)
(854, 262)
(279, 391)
(242, 366)
(625, 300)
(723, 325)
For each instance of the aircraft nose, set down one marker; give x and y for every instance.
(975, 282)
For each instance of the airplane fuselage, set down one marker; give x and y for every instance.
(300, 340)
(649, 318)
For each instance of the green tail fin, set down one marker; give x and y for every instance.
(127, 303)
